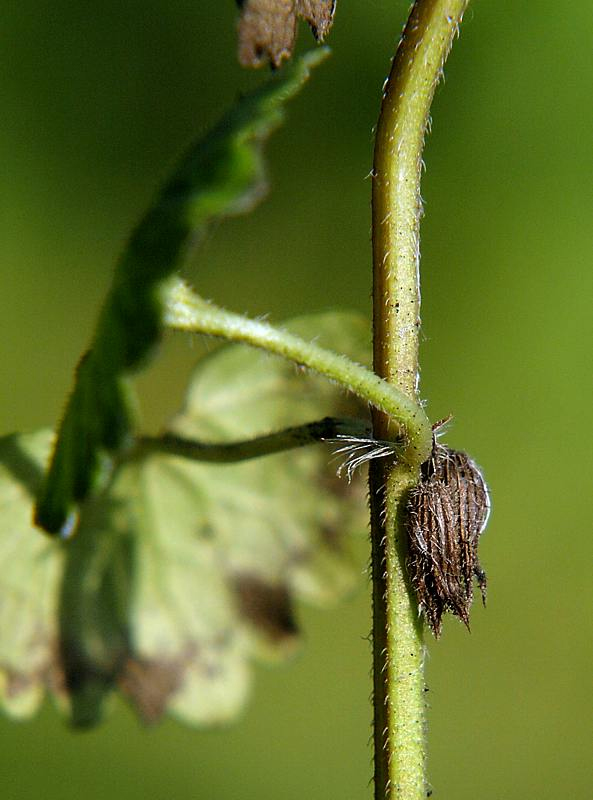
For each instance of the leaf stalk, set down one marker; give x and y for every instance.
(186, 311)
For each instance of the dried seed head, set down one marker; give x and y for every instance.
(447, 512)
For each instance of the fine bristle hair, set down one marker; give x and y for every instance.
(359, 451)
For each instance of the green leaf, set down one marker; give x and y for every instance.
(182, 572)
(223, 174)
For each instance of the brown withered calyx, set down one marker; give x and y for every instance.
(446, 513)
(267, 28)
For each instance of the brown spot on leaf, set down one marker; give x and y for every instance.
(48, 674)
(18, 682)
(267, 28)
(150, 684)
(266, 606)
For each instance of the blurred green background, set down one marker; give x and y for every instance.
(98, 100)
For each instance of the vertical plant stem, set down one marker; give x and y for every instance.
(398, 648)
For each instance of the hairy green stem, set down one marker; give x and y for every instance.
(188, 312)
(398, 648)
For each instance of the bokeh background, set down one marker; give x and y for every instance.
(98, 100)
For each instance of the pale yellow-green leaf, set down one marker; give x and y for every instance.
(182, 572)
(30, 572)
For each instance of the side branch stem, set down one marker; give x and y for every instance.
(188, 312)
(398, 649)
(328, 429)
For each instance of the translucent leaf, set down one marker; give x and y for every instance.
(30, 573)
(182, 572)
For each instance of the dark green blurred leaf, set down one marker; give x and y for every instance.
(223, 174)
(182, 572)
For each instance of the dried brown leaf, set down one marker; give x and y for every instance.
(267, 28)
